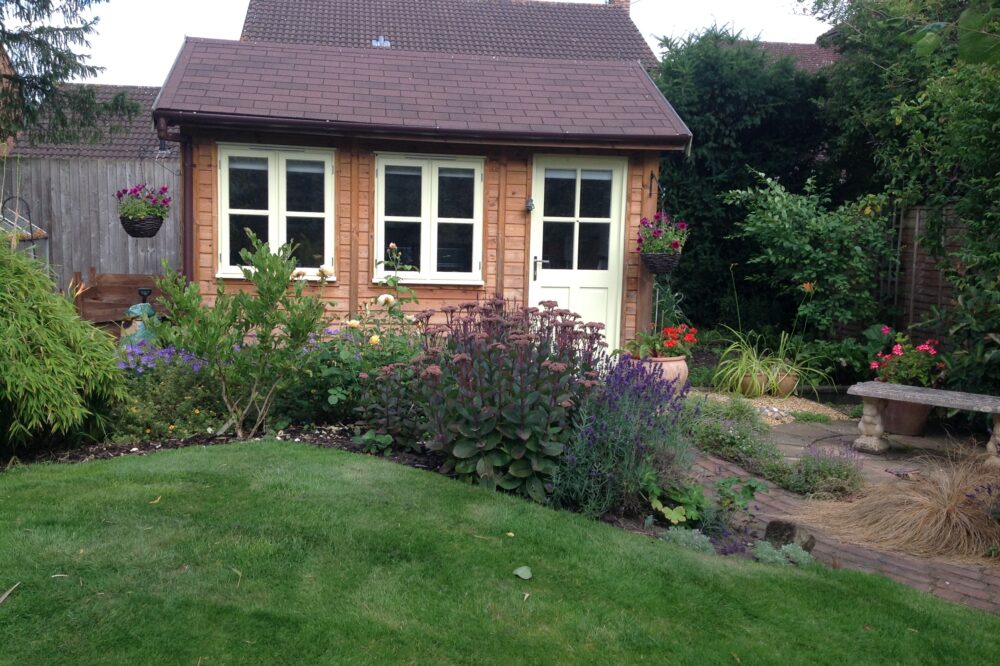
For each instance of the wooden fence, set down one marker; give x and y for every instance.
(73, 200)
(920, 283)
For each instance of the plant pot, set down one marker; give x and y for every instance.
(670, 368)
(755, 385)
(786, 384)
(143, 227)
(905, 418)
(660, 263)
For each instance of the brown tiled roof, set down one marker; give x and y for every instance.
(134, 139)
(411, 93)
(527, 28)
(807, 57)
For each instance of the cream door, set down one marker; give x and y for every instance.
(577, 228)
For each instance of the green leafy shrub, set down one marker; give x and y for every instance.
(684, 537)
(838, 252)
(811, 417)
(828, 470)
(627, 443)
(252, 343)
(57, 372)
(790, 553)
(155, 377)
(494, 390)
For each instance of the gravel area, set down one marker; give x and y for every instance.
(776, 411)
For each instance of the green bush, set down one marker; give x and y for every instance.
(252, 343)
(156, 377)
(827, 470)
(57, 372)
(627, 443)
(790, 553)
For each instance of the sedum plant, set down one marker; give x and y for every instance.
(252, 343)
(56, 370)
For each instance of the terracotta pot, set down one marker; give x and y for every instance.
(786, 384)
(670, 368)
(749, 384)
(905, 418)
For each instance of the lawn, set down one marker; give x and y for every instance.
(278, 553)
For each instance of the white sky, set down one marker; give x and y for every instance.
(138, 40)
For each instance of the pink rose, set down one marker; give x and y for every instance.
(886, 330)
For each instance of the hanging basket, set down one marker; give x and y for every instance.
(660, 263)
(144, 227)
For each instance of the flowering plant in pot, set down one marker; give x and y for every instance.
(142, 210)
(660, 242)
(667, 350)
(911, 365)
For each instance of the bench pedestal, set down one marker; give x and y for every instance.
(872, 438)
(993, 446)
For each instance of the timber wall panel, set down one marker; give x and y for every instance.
(921, 284)
(73, 200)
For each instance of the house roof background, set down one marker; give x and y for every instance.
(521, 28)
(807, 57)
(215, 82)
(134, 139)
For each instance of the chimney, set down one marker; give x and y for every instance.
(619, 4)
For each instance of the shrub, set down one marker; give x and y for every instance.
(733, 430)
(811, 417)
(687, 538)
(58, 371)
(826, 469)
(627, 439)
(765, 553)
(156, 377)
(253, 342)
(837, 252)
(493, 390)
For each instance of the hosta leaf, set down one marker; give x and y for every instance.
(521, 468)
(553, 449)
(517, 451)
(483, 467)
(465, 449)
(524, 573)
(524, 434)
(467, 466)
(536, 489)
(509, 482)
(498, 458)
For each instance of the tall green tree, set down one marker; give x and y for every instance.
(41, 42)
(745, 109)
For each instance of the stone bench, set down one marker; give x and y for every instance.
(875, 395)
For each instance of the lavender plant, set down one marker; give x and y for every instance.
(628, 443)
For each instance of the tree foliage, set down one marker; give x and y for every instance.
(745, 109)
(40, 41)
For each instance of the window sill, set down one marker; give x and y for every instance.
(235, 275)
(435, 282)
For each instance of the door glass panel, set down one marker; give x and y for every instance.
(593, 252)
(304, 186)
(406, 236)
(456, 193)
(595, 194)
(238, 224)
(248, 183)
(454, 254)
(403, 191)
(309, 234)
(557, 245)
(560, 193)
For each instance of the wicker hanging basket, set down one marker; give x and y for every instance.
(660, 263)
(144, 227)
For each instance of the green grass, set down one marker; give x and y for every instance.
(348, 559)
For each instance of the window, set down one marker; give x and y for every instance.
(282, 196)
(432, 209)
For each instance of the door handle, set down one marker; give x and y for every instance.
(535, 262)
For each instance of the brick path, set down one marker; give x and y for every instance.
(970, 584)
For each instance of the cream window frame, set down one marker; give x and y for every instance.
(277, 212)
(429, 219)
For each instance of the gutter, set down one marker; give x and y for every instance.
(187, 196)
(165, 118)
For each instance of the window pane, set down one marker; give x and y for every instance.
(248, 183)
(402, 191)
(456, 193)
(454, 248)
(560, 193)
(593, 252)
(304, 186)
(595, 194)
(557, 244)
(308, 234)
(238, 224)
(406, 236)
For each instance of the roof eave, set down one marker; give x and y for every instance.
(164, 118)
